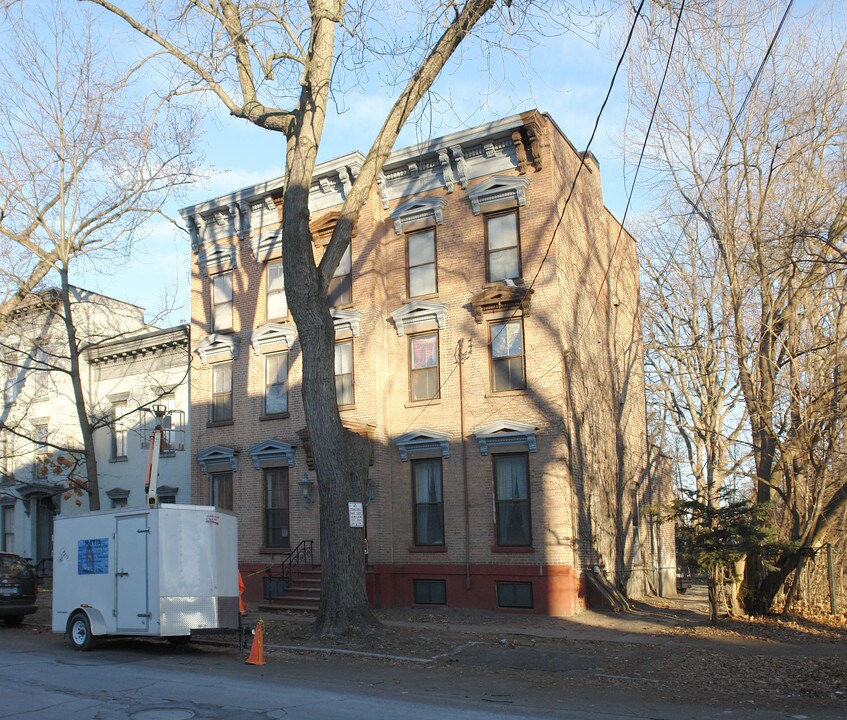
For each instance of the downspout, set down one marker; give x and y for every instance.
(568, 414)
(460, 358)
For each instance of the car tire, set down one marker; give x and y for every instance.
(13, 620)
(79, 632)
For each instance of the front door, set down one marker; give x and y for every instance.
(44, 512)
(131, 574)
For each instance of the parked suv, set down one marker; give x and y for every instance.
(18, 588)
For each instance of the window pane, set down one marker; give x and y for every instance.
(344, 265)
(429, 508)
(506, 339)
(222, 374)
(344, 373)
(424, 351)
(222, 301)
(222, 288)
(422, 248)
(507, 366)
(275, 291)
(511, 489)
(221, 392)
(503, 264)
(423, 358)
(503, 247)
(276, 383)
(220, 490)
(422, 275)
(276, 507)
(422, 280)
(119, 432)
(425, 384)
(340, 290)
(502, 231)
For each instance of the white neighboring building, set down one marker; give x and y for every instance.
(130, 376)
(125, 365)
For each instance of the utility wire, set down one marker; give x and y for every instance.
(570, 192)
(635, 176)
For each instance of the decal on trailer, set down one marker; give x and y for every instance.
(93, 557)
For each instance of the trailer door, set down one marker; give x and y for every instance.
(133, 614)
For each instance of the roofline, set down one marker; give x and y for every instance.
(398, 157)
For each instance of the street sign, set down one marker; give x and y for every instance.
(357, 514)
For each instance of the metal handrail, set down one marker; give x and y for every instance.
(299, 559)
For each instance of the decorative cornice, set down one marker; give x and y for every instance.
(499, 297)
(506, 432)
(271, 451)
(267, 245)
(217, 455)
(418, 213)
(500, 190)
(217, 347)
(345, 320)
(423, 440)
(272, 333)
(217, 258)
(130, 347)
(418, 312)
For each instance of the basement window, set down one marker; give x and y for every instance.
(430, 592)
(514, 595)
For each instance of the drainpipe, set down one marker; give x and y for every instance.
(460, 359)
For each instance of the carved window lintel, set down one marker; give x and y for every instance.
(423, 440)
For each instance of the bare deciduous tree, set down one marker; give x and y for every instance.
(277, 65)
(85, 160)
(767, 193)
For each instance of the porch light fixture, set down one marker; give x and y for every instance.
(306, 485)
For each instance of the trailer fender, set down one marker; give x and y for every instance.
(95, 619)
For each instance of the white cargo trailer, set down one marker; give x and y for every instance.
(160, 571)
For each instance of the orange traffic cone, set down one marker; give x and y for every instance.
(257, 652)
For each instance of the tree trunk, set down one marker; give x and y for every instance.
(713, 596)
(93, 485)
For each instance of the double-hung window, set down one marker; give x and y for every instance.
(221, 288)
(8, 528)
(220, 409)
(277, 305)
(511, 496)
(42, 452)
(12, 377)
(344, 372)
(429, 502)
(503, 247)
(276, 507)
(42, 373)
(220, 490)
(276, 383)
(341, 285)
(423, 366)
(119, 430)
(422, 278)
(507, 356)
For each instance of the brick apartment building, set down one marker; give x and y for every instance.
(488, 343)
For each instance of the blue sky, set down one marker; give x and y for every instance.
(565, 75)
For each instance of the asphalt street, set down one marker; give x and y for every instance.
(42, 678)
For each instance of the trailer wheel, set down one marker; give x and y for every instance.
(79, 631)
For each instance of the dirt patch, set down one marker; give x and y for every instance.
(663, 649)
